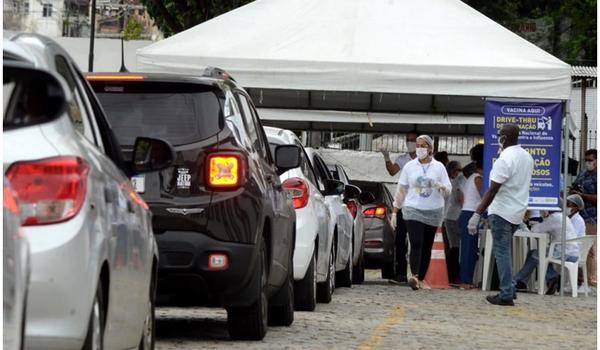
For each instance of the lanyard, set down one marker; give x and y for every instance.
(425, 169)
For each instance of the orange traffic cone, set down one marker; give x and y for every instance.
(437, 274)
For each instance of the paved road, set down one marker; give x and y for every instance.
(377, 315)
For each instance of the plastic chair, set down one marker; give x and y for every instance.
(585, 244)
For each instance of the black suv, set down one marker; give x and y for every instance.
(223, 223)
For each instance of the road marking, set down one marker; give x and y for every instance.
(383, 329)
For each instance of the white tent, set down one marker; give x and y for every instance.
(390, 57)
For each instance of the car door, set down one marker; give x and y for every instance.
(343, 218)
(127, 232)
(277, 199)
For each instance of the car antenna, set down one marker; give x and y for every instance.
(123, 68)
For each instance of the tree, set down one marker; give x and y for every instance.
(573, 38)
(174, 16)
(133, 29)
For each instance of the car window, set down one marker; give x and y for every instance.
(387, 197)
(321, 177)
(251, 127)
(234, 119)
(261, 133)
(179, 113)
(343, 171)
(74, 110)
(333, 170)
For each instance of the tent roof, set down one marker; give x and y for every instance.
(435, 47)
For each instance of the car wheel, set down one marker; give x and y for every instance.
(345, 276)
(305, 290)
(389, 269)
(281, 306)
(95, 333)
(149, 332)
(325, 289)
(359, 269)
(250, 323)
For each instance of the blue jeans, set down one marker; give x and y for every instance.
(532, 262)
(468, 248)
(502, 234)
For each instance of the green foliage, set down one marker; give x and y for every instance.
(133, 29)
(174, 16)
(573, 38)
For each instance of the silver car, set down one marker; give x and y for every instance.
(93, 253)
(15, 254)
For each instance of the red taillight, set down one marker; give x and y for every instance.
(352, 207)
(49, 190)
(378, 212)
(224, 171)
(299, 190)
(9, 201)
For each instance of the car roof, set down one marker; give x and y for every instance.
(201, 78)
(34, 48)
(283, 135)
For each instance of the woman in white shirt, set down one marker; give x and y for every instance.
(472, 197)
(423, 184)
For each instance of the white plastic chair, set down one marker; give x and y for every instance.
(585, 244)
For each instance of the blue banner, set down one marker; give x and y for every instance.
(540, 135)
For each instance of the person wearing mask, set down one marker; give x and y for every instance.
(472, 198)
(585, 186)
(422, 188)
(507, 198)
(574, 205)
(552, 224)
(453, 206)
(400, 226)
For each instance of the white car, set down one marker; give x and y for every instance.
(93, 252)
(343, 239)
(15, 257)
(313, 258)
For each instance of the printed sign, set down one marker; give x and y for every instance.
(540, 135)
(183, 178)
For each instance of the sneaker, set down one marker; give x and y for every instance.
(398, 280)
(495, 299)
(521, 286)
(424, 285)
(413, 283)
(553, 285)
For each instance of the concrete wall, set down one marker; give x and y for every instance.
(107, 53)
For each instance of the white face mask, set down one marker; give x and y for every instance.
(501, 141)
(412, 146)
(422, 152)
(589, 166)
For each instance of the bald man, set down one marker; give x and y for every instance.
(507, 198)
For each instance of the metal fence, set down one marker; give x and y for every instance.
(456, 145)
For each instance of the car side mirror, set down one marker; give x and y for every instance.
(151, 154)
(287, 157)
(366, 198)
(32, 96)
(334, 187)
(352, 192)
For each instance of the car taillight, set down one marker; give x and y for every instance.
(9, 201)
(299, 191)
(50, 190)
(224, 171)
(378, 212)
(352, 207)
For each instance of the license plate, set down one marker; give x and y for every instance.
(139, 183)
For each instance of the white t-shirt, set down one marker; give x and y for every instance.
(513, 171)
(553, 225)
(472, 196)
(453, 205)
(578, 224)
(402, 159)
(423, 181)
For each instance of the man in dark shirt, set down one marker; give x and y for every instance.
(585, 186)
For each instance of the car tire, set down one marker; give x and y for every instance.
(95, 333)
(344, 278)
(250, 323)
(149, 331)
(389, 269)
(325, 289)
(281, 306)
(305, 290)
(358, 276)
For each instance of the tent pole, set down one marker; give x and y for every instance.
(565, 123)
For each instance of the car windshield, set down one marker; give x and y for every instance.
(179, 117)
(334, 171)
